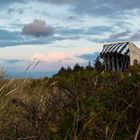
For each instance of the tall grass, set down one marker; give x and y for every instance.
(76, 105)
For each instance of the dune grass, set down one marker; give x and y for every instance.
(82, 104)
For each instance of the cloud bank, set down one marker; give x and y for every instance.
(98, 7)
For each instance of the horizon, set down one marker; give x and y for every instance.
(49, 34)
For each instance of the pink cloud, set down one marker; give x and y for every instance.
(51, 57)
(38, 28)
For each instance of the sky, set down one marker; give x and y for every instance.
(38, 37)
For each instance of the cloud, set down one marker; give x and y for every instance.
(38, 29)
(135, 36)
(12, 61)
(109, 8)
(4, 3)
(125, 4)
(9, 35)
(89, 56)
(51, 57)
(10, 10)
(13, 38)
(57, 1)
(72, 17)
(13, 10)
(121, 34)
(95, 30)
(127, 35)
(83, 7)
(98, 30)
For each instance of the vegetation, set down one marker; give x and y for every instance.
(76, 104)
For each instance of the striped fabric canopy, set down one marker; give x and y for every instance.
(121, 48)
